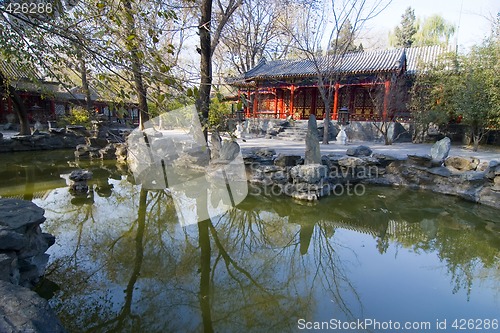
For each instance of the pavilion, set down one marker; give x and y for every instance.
(292, 88)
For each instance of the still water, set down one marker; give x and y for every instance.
(372, 263)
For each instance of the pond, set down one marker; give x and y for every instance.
(389, 259)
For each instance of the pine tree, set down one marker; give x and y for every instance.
(345, 41)
(404, 34)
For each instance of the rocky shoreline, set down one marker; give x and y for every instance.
(22, 263)
(468, 178)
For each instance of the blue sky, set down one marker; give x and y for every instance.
(471, 14)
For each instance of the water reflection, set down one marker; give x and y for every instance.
(124, 264)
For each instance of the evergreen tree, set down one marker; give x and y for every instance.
(345, 41)
(404, 34)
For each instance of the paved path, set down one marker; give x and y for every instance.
(397, 149)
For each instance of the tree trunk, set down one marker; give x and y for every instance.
(20, 108)
(203, 100)
(326, 124)
(136, 65)
(85, 84)
(21, 111)
(476, 138)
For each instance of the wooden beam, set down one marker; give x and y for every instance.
(292, 95)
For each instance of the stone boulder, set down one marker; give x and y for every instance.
(108, 152)
(309, 174)
(359, 151)
(441, 149)
(462, 163)
(216, 145)
(22, 243)
(80, 175)
(312, 154)
(287, 160)
(496, 184)
(22, 310)
(121, 152)
(421, 160)
(264, 152)
(351, 162)
(229, 150)
(79, 180)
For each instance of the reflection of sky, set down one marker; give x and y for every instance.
(404, 285)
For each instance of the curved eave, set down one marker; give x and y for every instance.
(315, 75)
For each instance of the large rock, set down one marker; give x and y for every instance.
(216, 145)
(22, 242)
(80, 175)
(359, 151)
(462, 163)
(229, 150)
(108, 152)
(20, 215)
(421, 160)
(313, 154)
(351, 162)
(441, 149)
(287, 160)
(496, 184)
(310, 174)
(22, 310)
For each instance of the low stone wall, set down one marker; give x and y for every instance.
(468, 178)
(22, 264)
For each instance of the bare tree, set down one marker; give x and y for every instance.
(256, 31)
(388, 97)
(210, 36)
(318, 37)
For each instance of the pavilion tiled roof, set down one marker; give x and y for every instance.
(416, 57)
(358, 63)
(351, 63)
(18, 72)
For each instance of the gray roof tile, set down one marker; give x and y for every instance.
(372, 62)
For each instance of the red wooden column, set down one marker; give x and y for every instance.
(335, 115)
(387, 86)
(314, 98)
(275, 103)
(281, 104)
(292, 96)
(247, 107)
(256, 102)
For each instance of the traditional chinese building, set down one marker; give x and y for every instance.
(290, 88)
(47, 101)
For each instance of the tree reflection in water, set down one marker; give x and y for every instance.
(124, 263)
(239, 285)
